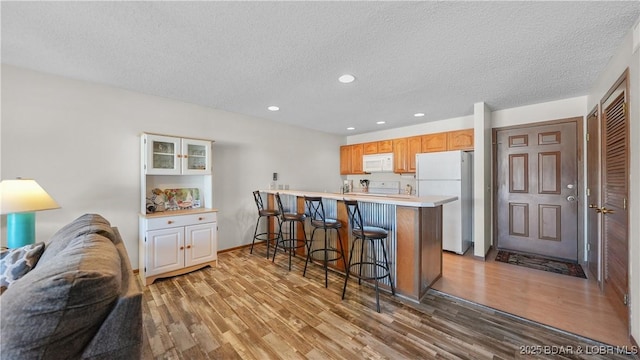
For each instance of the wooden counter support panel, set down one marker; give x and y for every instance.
(431, 249)
(343, 217)
(273, 223)
(408, 251)
(300, 207)
(419, 250)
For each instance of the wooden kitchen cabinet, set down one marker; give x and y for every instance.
(434, 142)
(357, 151)
(378, 147)
(351, 159)
(414, 146)
(404, 150)
(385, 146)
(370, 148)
(400, 153)
(345, 160)
(460, 140)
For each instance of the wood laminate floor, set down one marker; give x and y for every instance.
(251, 308)
(565, 302)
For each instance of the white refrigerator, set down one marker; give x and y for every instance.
(449, 173)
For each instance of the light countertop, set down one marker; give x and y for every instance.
(395, 199)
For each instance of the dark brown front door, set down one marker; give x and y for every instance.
(537, 190)
(593, 193)
(615, 185)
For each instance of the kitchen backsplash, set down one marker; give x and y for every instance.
(404, 179)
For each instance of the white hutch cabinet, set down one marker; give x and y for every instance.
(178, 226)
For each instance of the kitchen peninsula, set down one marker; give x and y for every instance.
(414, 225)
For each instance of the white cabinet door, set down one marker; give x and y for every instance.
(163, 155)
(165, 250)
(201, 242)
(195, 157)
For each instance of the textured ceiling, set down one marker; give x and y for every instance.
(438, 58)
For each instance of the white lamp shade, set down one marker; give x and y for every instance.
(24, 195)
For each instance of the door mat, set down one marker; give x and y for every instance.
(541, 263)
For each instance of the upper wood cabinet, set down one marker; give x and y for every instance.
(434, 142)
(378, 147)
(351, 159)
(357, 151)
(400, 152)
(404, 150)
(385, 146)
(414, 146)
(460, 140)
(370, 148)
(345, 159)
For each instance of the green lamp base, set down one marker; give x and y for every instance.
(21, 229)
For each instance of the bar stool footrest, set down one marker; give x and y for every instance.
(372, 265)
(337, 252)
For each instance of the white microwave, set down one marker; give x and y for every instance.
(378, 163)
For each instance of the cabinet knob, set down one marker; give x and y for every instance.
(170, 222)
(181, 247)
(201, 218)
(188, 246)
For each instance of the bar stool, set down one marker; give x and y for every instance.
(374, 237)
(291, 243)
(263, 213)
(315, 211)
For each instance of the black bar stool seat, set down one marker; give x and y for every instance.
(371, 237)
(315, 211)
(290, 244)
(267, 236)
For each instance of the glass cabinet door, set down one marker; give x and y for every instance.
(163, 155)
(196, 156)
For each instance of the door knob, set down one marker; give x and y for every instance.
(607, 211)
(593, 206)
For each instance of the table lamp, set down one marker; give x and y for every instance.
(19, 199)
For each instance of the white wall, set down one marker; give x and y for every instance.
(622, 59)
(482, 176)
(80, 141)
(464, 122)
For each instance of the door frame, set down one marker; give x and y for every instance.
(597, 112)
(580, 139)
(623, 78)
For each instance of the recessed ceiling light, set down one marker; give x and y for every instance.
(351, 128)
(380, 122)
(346, 78)
(273, 108)
(418, 114)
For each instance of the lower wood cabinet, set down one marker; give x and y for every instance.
(177, 244)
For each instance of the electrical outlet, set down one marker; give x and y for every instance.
(275, 176)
